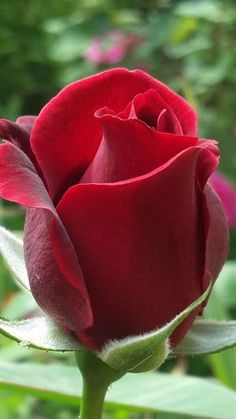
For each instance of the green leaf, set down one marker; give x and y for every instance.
(20, 305)
(223, 363)
(150, 392)
(148, 351)
(207, 337)
(39, 332)
(11, 248)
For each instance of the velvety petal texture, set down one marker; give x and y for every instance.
(129, 246)
(122, 229)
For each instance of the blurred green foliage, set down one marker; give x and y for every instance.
(190, 45)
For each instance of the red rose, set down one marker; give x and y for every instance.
(122, 230)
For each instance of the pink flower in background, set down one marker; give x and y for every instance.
(94, 52)
(227, 193)
(111, 48)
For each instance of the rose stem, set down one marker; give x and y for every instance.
(97, 377)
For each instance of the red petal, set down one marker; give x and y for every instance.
(54, 273)
(149, 108)
(168, 122)
(19, 134)
(141, 248)
(15, 133)
(66, 135)
(217, 235)
(216, 238)
(130, 148)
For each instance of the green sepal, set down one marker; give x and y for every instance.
(207, 337)
(145, 352)
(40, 333)
(155, 360)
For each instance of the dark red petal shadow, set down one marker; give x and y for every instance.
(141, 248)
(19, 134)
(216, 230)
(184, 112)
(26, 121)
(149, 108)
(217, 241)
(16, 134)
(55, 276)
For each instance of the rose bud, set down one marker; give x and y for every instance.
(123, 230)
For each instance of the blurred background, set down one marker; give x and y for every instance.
(189, 45)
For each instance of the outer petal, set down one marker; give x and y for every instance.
(26, 121)
(19, 134)
(15, 133)
(55, 276)
(141, 246)
(217, 235)
(66, 135)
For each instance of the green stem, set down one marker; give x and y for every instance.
(92, 401)
(97, 377)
